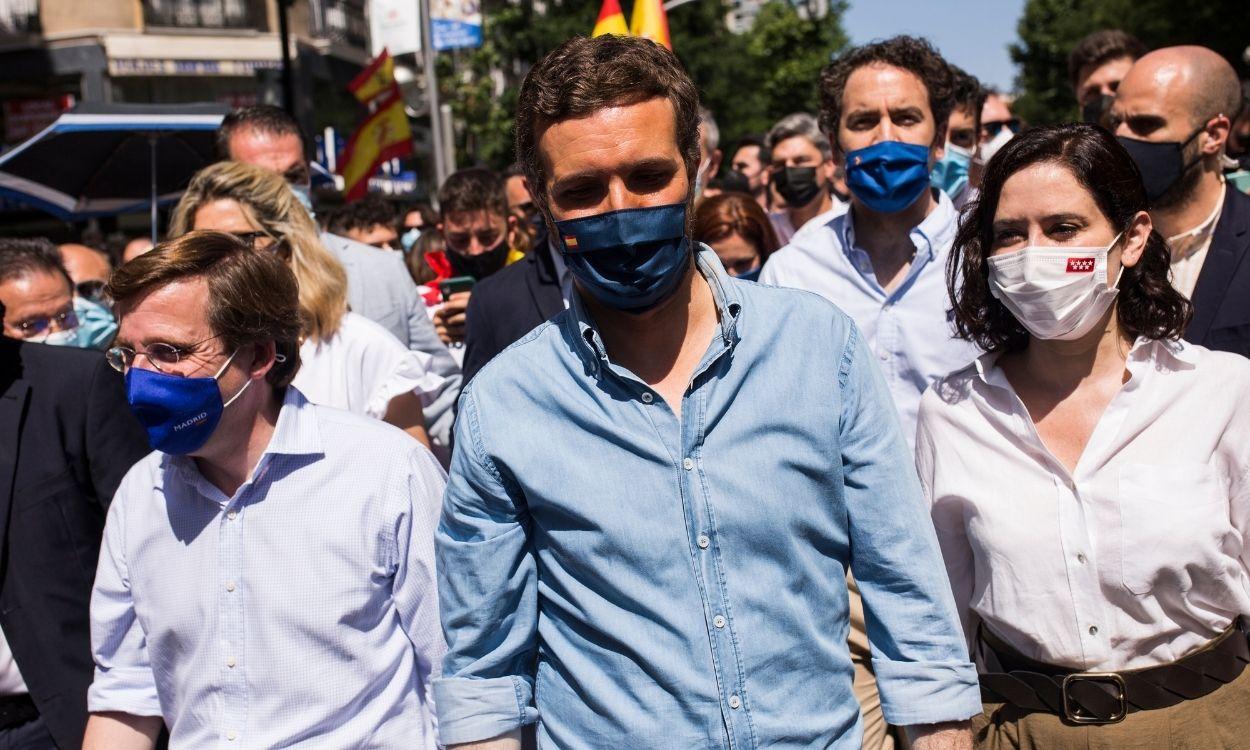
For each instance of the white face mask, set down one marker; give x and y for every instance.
(1055, 292)
(992, 146)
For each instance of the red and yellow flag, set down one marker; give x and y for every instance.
(611, 20)
(375, 80)
(650, 21)
(383, 136)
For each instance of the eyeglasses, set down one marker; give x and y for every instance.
(461, 242)
(251, 239)
(32, 327)
(92, 290)
(160, 354)
(993, 128)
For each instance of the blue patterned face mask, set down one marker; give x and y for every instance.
(888, 176)
(630, 259)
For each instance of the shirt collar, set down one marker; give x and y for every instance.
(295, 433)
(590, 346)
(1187, 243)
(1162, 354)
(934, 232)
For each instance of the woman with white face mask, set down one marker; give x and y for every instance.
(1089, 476)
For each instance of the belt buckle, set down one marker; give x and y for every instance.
(1109, 678)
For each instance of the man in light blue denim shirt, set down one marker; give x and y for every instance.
(655, 496)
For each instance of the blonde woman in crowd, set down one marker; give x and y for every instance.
(349, 362)
(1089, 476)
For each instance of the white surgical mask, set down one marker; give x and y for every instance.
(992, 146)
(1055, 292)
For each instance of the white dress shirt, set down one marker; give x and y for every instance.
(362, 367)
(1135, 559)
(11, 682)
(909, 329)
(1189, 250)
(299, 613)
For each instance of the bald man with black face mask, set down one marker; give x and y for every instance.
(1173, 113)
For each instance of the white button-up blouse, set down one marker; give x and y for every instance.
(1135, 559)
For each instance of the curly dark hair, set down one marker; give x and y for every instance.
(967, 92)
(473, 189)
(1147, 304)
(907, 52)
(583, 76)
(1102, 47)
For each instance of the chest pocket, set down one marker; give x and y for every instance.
(1173, 521)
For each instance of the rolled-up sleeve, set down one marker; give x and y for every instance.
(488, 595)
(124, 681)
(919, 655)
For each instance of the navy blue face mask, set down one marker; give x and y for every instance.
(179, 414)
(631, 259)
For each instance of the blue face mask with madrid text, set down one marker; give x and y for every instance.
(179, 414)
(631, 259)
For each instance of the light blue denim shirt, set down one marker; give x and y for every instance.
(651, 582)
(299, 613)
(909, 330)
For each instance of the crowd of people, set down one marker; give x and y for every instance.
(903, 424)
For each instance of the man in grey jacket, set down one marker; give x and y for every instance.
(378, 284)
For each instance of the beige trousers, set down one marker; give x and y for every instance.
(877, 734)
(1217, 721)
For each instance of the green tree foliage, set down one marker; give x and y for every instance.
(749, 80)
(1049, 29)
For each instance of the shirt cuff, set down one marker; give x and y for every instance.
(471, 710)
(127, 691)
(931, 692)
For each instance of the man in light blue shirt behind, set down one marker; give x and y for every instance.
(885, 107)
(267, 577)
(655, 495)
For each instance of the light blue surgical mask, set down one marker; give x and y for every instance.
(950, 174)
(303, 194)
(630, 259)
(409, 239)
(96, 325)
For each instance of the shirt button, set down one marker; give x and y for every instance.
(232, 515)
(230, 662)
(883, 356)
(229, 585)
(231, 736)
(718, 621)
(687, 464)
(1093, 630)
(703, 541)
(734, 701)
(1080, 557)
(647, 398)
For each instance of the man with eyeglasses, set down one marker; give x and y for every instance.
(66, 440)
(267, 576)
(37, 293)
(998, 125)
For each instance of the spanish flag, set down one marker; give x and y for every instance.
(383, 136)
(375, 80)
(611, 20)
(650, 21)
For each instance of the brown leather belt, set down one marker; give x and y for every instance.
(1107, 697)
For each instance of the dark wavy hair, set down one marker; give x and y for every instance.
(1147, 304)
(910, 53)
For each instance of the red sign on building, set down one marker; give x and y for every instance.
(26, 117)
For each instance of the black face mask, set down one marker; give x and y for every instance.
(1161, 164)
(1095, 112)
(797, 185)
(482, 265)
